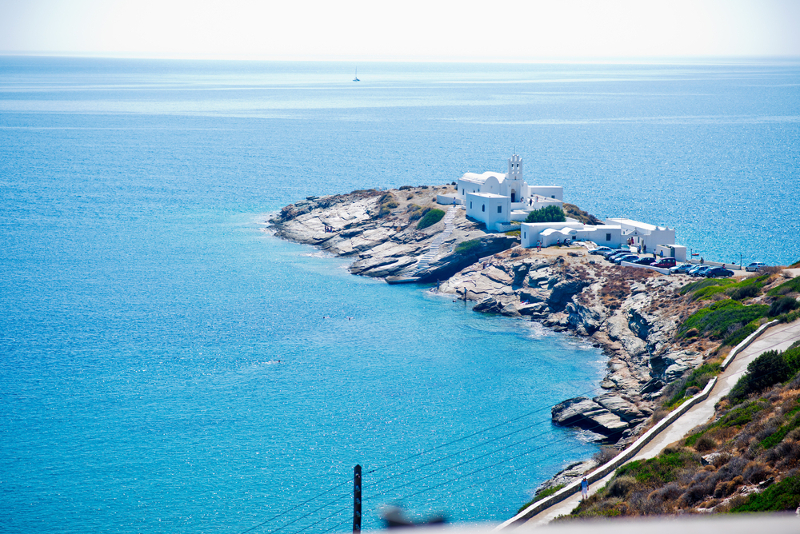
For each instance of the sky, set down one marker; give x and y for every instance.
(407, 30)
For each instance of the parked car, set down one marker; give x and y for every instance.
(755, 267)
(700, 271)
(612, 257)
(716, 272)
(665, 263)
(682, 268)
(647, 260)
(600, 250)
(629, 258)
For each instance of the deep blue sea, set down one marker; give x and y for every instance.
(166, 365)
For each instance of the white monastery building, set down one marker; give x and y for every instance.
(614, 233)
(546, 234)
(496, 199)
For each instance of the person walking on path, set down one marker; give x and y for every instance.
(584, 488)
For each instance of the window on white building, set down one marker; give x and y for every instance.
(608, 237)
(483, 207)
(499, 209)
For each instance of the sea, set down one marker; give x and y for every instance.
(168, 365)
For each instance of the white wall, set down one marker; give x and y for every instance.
(489, 209)
(547, 191)
(609, 236)
(448, 198)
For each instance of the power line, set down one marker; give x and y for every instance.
(484, 430)
(315, 510)
(339, 511)
(336, 525)
(462, 451)
(295, 507)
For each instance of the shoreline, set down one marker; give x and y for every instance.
(631, 314)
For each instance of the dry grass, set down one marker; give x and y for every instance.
(680, 481)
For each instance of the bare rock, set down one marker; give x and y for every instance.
(587, 414)
(563, 291)
(620, 407)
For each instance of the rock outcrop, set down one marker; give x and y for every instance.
(589, 415)
(630, 313)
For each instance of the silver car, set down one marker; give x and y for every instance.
(755, 267)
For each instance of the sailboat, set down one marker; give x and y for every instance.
(356, 78)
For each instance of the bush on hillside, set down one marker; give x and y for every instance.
(738, 335)
(698, 379)
(767, 369)
(746, 292)
(784, 496)
(722, 318)
(783, 305)
(468, 247)
(431, 217)
(548, 214)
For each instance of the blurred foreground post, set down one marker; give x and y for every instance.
(357, 498)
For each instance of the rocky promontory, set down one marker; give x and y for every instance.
(633, 314)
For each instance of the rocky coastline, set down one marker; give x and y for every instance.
(632, 314)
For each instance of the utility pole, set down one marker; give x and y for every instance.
(357, 499)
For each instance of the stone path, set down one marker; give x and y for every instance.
(776, 338)
(433, 251)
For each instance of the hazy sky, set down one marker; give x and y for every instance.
(407, 29)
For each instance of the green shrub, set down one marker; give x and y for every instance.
(699, 378)
(660, 470)
(786, 287)
(790, 317)
(784, 496)
(468, 247)
(775, 438)
(741, 415)
(387, 203)
(548, 214)
(767, 369)
(710, 290)
(701, 284)
(718, 319)
(744, 292)
(705, 289)
(783, 305)
(739, 335)
(430, 218)
(792, 358)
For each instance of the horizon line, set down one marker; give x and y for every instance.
(415, 59)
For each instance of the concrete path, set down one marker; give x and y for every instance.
(425, 260)
(775, 338)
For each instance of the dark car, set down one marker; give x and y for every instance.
(664, 263)
(716, 272)
(647, 260)
(629, 258)
(615, 255)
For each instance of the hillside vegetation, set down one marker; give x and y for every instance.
(747, 459)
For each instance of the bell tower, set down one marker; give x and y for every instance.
(514, 168)
(513, 181)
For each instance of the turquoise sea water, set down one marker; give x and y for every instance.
(167, 365)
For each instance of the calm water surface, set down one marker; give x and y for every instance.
(167, 365)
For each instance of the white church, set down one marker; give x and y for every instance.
(496, 199)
